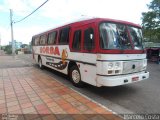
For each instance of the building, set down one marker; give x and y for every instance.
(17, 44)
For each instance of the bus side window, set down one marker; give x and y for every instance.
(64, 36)
(89, 39)
(43, 40)
(76, 45)
(36, 41)
(52, 38)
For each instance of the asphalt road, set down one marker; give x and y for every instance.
(141, 97)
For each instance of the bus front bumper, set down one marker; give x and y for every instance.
(121, 79)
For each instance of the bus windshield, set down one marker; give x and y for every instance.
(115, 36)
(136, 36)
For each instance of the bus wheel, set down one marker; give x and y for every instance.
(40, 63)
(75, 76)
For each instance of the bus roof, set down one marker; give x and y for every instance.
(88, 20)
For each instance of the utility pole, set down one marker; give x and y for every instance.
(12, 37)
(0, 41)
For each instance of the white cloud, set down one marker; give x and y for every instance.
(16, 5)
(25, 34)
(5, 36)
(22, 7)
(1, 7)
(20, 34)
(67, 9)
(61, 11)
(118, 9)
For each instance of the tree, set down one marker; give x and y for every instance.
(8, 49)
(151, 21)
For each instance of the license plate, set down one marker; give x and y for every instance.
(135, 78)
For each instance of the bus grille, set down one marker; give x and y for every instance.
(132, 66)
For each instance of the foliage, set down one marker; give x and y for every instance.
(8, 49)
(151, 22)
(2, 47)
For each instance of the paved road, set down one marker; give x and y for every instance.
(141, 97)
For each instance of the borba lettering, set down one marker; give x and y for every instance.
(50, 50)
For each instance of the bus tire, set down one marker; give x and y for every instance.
(75, 76)
(40, 63)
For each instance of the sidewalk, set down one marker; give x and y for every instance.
(8, 61)
(32, 94)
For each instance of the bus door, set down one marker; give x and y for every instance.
(89, 53)
(76, 43)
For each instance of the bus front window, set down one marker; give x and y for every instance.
(136, 36)
(114, 36)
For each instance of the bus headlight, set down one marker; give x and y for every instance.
(117, 65)
(110, 65)
(114, 68)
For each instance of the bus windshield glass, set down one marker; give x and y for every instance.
(115, 36)
(136, 36)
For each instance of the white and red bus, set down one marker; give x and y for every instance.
(97, 51)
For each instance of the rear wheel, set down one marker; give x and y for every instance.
(40, 63)
(75, 76)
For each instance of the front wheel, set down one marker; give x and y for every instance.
(75, 76)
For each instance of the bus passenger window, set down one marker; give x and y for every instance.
(76, 45)
(43, 40)
(89, 39)
(64, 36)
(36, 41)
(52, 38)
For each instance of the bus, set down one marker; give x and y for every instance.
(97, 51)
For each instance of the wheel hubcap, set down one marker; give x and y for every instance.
(75, 76)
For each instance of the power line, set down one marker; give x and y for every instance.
(32, 12)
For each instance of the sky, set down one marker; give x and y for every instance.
(57, 12)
